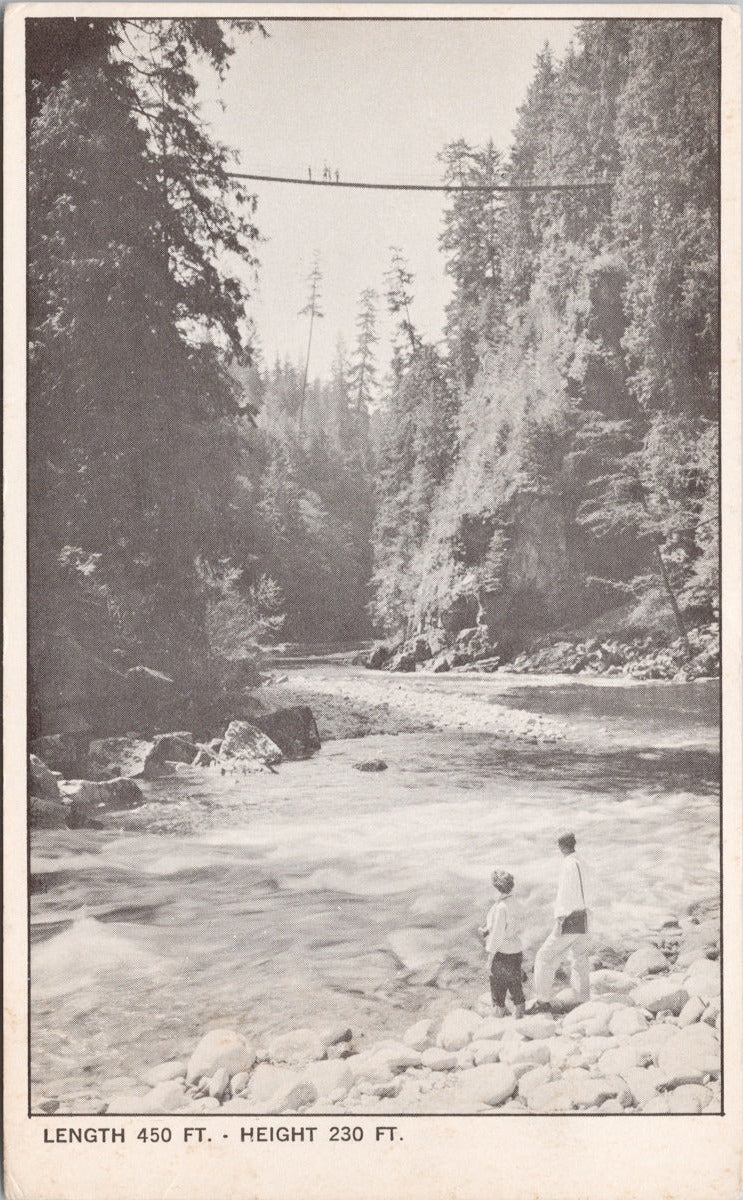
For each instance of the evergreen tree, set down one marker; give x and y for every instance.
(398, 291)
(364, 371)
(131, 318)
(313, 310)
(471, 238)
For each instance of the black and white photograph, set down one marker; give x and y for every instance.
(374, 723)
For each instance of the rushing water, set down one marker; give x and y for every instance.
(323, 893)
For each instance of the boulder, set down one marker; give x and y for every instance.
(165, 1072)
(46, 814)
(293, 730)
(458, 1029)
(366, 1066)
(517, 1051)
(208, 754)
(117, 757)
(371, 764)
(266, 1080)
(166, 1097)
(496, 1027)
(442, 662)
(220, 1048)
(564, 1050)
(382, 1088)
(61, 752)
(403, 661)
(90, 800)
(534, 1078)
(627, 1021)
(692, 1011)
(690, 1054)
(394, 1056)
(239, 1082)
(689, 1098)
(659, 995)
(650, 1040)
(539, 1026)
(334, 1035)
(419, 1036)
(379, 656)
(293, 1096)
(591, 1049)
(490, 1084)
(625, 1058)
(438, 1060)
(703, 978)
(606, 982)
(578, 1090)
(648, 960)
(593, 1017)
(169, 748)
(247, 744)
(219, 1083)
(108, 795)
(296, 1047)
(333, 1075)
(643, 1082)
(41, 783)
(483, 1052)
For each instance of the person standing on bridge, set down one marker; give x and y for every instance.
(568, 937)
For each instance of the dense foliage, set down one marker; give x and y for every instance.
(557, 456)
(178, 509)
(553, 459)
(133, 320)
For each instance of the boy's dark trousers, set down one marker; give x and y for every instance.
(505, 976)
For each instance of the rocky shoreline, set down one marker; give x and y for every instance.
(641, 658)
(648, 1041)
(113, 765)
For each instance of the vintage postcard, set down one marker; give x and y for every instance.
(373, 627)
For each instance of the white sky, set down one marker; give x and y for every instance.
(377, 100)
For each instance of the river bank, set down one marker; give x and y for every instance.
(601, 651)
(256, 903)
(648, 1041)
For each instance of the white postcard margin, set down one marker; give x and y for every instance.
(436, 1157)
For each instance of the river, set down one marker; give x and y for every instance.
(325, 894)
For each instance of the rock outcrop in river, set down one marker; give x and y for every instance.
(112, 765)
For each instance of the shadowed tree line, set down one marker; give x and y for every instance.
(177, 509)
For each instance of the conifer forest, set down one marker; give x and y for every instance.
(546, 469)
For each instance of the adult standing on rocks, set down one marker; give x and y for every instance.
(568, 937)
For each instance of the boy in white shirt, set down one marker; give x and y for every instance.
(502, 933)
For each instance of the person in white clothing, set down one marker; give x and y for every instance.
(568, 937)
(502, 933)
